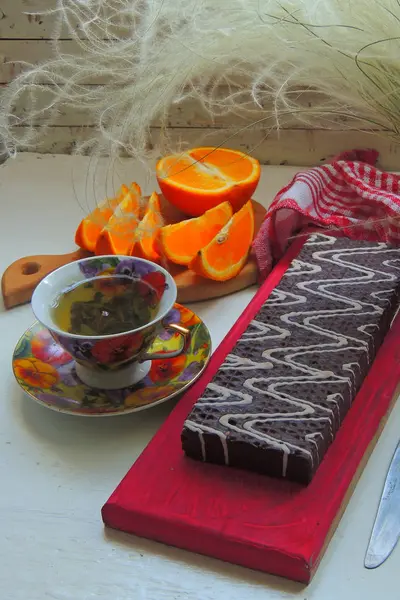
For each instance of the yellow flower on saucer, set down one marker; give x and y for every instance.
(35, 372)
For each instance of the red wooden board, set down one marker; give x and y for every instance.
(245, 518)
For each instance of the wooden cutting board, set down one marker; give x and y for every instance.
(244, 518)
(22, 276)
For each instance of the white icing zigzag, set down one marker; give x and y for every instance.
(285, 352)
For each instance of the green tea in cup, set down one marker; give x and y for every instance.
(105, 305)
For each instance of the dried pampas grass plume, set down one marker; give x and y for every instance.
(154, 54)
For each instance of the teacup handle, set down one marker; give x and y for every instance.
(185, 333)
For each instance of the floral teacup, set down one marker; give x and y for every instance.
(117, 360)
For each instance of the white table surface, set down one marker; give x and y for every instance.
(57, 470)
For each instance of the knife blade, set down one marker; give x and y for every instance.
(386, 529)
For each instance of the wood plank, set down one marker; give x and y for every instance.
(192, 113)
(34, 51)
(295, 147)
(14, 23)
(17, 23)
(16, 54)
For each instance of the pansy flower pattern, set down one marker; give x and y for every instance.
(110, 354)
(47, 373)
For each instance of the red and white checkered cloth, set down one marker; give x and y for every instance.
(349, 194)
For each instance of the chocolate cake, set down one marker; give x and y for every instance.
(282, 392)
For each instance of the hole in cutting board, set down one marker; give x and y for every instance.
(30, 268)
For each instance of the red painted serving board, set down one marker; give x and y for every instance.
(245, 518)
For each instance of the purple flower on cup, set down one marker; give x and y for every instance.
(79, 349)
(133, 268)
(126, 267)
(93, 266)
(90, 268)
(83, 349)
(142, 268)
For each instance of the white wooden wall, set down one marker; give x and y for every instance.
(27, 38)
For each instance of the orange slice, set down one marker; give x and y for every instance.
(90, 227)
(117, 235)
(147, 231)
(202, 178)
(180, 242)
(225, 256)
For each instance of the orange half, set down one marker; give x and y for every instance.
(117, 235)
(202, 178)
(225, 256)
(147, 231)
(180, 242)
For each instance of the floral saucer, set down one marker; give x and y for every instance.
(47, 373)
